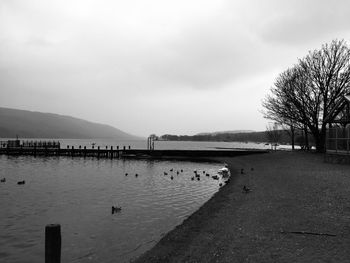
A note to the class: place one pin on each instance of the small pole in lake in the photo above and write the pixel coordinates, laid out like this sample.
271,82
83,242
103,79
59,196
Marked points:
84,151
53,243
98,152
112,152
129,147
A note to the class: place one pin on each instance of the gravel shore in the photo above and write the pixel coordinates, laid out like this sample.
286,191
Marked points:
298,210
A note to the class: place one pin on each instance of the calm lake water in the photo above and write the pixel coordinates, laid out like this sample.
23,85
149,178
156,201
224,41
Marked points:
78,193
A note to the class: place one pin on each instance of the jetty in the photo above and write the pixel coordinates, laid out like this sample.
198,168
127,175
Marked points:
53,149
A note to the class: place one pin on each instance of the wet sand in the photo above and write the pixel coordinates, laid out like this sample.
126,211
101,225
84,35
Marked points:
298,210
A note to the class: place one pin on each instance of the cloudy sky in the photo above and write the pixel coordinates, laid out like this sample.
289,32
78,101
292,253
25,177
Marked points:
158,66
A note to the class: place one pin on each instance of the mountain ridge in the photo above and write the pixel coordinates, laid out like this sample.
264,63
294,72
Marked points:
35,124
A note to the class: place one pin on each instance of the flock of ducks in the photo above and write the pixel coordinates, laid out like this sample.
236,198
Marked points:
3,180
196,176
116,209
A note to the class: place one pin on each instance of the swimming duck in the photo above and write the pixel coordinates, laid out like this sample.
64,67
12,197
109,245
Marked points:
171,177
3,180
21,182
116,209
246,189
215,177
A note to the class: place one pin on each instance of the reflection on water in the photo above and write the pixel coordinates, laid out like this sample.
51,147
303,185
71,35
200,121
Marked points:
78,193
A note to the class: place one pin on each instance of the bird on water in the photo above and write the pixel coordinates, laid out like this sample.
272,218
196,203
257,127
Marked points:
116,209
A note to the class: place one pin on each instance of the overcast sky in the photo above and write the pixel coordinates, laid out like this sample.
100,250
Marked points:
158,66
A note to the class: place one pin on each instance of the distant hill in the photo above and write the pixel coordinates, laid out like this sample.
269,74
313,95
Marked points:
225,132
30,124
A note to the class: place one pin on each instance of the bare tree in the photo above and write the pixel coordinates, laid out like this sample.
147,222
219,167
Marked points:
311,93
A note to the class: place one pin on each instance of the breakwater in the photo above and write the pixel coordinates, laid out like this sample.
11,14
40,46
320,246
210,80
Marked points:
110,152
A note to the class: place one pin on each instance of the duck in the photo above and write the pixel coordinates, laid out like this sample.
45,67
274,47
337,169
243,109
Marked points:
171,177
192,178
220,184
3,180
215,177
198,178
204,172
177,172
126,174
252,169
245,189
171,169
242,171
116,209
165,173
207,174
136,175
182,171
21,182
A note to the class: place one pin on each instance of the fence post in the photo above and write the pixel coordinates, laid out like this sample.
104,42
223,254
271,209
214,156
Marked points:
336,139
53,243
348,141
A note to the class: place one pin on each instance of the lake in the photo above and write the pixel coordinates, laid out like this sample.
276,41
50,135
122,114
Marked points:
78,194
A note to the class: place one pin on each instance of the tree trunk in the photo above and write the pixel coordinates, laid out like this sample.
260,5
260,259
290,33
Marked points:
306,136
320,140
292,130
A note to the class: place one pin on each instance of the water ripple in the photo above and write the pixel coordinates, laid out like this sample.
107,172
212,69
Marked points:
79,193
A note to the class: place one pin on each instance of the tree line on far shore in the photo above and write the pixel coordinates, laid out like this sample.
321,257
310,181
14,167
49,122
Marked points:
258,137
309,96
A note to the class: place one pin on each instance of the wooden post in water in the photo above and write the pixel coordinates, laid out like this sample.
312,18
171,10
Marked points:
98,152
84,151
112,152
118,151
72,152
53,243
